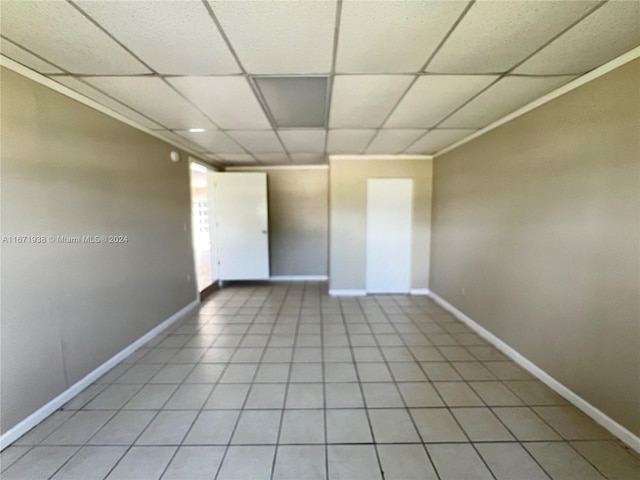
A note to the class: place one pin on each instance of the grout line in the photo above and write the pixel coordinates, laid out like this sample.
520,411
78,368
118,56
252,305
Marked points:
395,384
445,404
286,390
255,374
364,399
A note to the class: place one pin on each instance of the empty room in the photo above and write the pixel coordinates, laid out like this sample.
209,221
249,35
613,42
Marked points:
320,239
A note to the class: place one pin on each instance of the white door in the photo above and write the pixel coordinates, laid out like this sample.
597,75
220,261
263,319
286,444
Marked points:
241,214
389,219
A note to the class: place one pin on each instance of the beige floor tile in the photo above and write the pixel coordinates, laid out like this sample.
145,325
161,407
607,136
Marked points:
562,462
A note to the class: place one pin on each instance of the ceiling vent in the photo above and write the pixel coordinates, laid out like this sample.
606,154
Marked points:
294,102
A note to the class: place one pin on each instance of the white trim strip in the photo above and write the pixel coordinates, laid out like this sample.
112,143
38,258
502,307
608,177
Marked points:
39,415
380,157
339,292
607,422
64,90
419,291
278,167
578,82
298,278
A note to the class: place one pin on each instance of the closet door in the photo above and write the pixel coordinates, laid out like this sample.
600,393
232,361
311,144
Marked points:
389,235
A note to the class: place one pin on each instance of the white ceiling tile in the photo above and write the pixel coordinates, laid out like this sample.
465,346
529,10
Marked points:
172,37
393,141
496,35
279,158
228,101
303,141
214,141
59,33
349,141
20,55
392,36
438,139
263,141
280,36
507,95
154,98
364,101
212,157
308,158
610,31
88,91
433,97
237,159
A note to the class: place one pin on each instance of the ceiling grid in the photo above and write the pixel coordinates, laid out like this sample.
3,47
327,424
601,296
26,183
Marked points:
402,77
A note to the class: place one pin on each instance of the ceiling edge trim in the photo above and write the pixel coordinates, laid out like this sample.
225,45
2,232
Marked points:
380,157
572,85
278,167
64,90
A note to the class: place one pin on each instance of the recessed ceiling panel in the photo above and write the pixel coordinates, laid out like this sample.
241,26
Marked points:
20,55
436,140
62,35
228,101
308,158
393,141
154,98
295,102
433,97
280,37
610,31
213,141
348,141
172,37
364,101
495,35
303,141
392,36
507,95
263,141
87,90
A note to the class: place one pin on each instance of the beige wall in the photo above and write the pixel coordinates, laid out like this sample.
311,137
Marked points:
536,237
70,170
298,220
348,214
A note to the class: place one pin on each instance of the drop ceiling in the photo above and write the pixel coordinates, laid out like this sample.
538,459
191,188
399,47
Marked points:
288,82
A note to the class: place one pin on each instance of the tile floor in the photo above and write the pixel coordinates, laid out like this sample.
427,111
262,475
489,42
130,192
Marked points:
284,382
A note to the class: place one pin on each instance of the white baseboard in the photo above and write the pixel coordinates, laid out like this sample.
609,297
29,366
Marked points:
298,278
419,291
39,415
338,292
629,438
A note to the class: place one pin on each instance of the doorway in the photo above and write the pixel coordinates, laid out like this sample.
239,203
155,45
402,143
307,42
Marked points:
201,223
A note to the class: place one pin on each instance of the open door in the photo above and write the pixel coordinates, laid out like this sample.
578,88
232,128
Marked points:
242,225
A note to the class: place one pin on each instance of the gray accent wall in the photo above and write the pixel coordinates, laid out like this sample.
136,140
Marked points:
348,218
69,170
536,238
